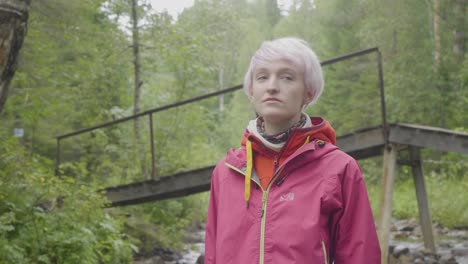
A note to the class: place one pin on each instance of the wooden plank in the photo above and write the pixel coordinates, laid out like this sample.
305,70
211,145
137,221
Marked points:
364,143
366,153
386,195
178,185
429,137
421,195
361,144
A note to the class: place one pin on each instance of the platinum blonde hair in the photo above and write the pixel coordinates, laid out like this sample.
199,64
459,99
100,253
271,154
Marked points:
295,51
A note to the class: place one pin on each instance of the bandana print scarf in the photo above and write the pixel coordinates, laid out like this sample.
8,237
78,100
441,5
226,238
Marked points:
280,137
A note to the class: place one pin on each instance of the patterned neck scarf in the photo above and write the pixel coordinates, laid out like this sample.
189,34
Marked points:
280,137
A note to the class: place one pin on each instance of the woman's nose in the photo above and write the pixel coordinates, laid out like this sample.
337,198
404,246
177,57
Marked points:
272,85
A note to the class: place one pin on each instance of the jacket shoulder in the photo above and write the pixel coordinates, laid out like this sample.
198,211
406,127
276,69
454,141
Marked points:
234,158
338,159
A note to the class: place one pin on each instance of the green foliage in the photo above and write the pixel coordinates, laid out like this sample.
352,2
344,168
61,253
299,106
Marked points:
72,71
46,219
163,224
76,71
448,200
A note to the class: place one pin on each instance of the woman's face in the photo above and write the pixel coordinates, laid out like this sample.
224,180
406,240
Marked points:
279,92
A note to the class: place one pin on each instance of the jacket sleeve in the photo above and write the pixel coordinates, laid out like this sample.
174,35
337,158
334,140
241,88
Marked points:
211,225
356,239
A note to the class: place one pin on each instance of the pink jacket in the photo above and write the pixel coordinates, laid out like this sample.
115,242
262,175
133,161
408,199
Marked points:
315,210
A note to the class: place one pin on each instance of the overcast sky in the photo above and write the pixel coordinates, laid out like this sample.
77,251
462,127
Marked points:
175,7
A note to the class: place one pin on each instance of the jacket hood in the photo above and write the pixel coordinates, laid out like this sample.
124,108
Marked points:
242,158
319,129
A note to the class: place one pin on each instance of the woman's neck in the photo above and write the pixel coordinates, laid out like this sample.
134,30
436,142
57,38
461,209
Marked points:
274,128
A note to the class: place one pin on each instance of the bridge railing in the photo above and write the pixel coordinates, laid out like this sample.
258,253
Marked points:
150,113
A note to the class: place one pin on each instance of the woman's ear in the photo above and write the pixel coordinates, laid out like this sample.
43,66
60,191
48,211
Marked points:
308,97
250,95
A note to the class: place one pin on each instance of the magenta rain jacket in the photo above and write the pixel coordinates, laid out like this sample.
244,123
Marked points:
315,210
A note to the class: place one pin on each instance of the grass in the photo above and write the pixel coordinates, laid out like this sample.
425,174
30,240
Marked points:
448,200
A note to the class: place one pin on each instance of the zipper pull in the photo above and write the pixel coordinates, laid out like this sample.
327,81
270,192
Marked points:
276,164
264,198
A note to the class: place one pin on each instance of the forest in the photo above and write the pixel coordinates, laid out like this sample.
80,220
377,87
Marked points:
83,63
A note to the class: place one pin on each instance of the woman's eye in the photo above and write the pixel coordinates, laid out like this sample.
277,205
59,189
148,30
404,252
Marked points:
261,77
287,77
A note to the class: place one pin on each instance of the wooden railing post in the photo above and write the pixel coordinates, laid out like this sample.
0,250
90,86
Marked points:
421,195
58,158
153,165
385,216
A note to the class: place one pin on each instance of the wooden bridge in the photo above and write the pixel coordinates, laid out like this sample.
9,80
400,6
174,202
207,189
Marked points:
365,143
387,139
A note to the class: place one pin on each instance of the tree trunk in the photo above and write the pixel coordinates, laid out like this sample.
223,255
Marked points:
137,86
459,31
221,86
136,58
13,26
436,33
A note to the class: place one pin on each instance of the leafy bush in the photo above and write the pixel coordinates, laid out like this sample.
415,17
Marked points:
163,224
46,219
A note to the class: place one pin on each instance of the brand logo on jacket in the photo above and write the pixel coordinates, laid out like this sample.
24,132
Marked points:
287,197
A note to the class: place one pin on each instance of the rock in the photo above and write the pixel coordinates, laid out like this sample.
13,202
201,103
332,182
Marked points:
447,259
391,249
408,228
460,234
418,255
445,244
430,260
400,250
152,260
428,253
460,251
201,259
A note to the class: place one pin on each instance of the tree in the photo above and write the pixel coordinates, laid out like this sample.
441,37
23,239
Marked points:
273,13
14,19
459,32
136,62
435,12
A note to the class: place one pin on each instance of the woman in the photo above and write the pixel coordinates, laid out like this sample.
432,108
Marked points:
288,194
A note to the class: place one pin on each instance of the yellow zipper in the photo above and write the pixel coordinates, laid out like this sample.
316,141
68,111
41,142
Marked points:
264,206
262,227
325,256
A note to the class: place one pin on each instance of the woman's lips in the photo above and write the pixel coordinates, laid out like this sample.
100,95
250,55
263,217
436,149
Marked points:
272,99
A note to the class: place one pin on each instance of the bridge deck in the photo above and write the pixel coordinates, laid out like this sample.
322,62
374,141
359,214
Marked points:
364,143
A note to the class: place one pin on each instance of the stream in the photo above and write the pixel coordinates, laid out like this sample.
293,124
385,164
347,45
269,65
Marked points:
194,249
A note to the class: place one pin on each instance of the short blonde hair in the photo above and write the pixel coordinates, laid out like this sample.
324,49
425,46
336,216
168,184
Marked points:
293,50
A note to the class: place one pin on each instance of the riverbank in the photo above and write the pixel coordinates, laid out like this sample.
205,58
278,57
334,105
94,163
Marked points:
406,246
